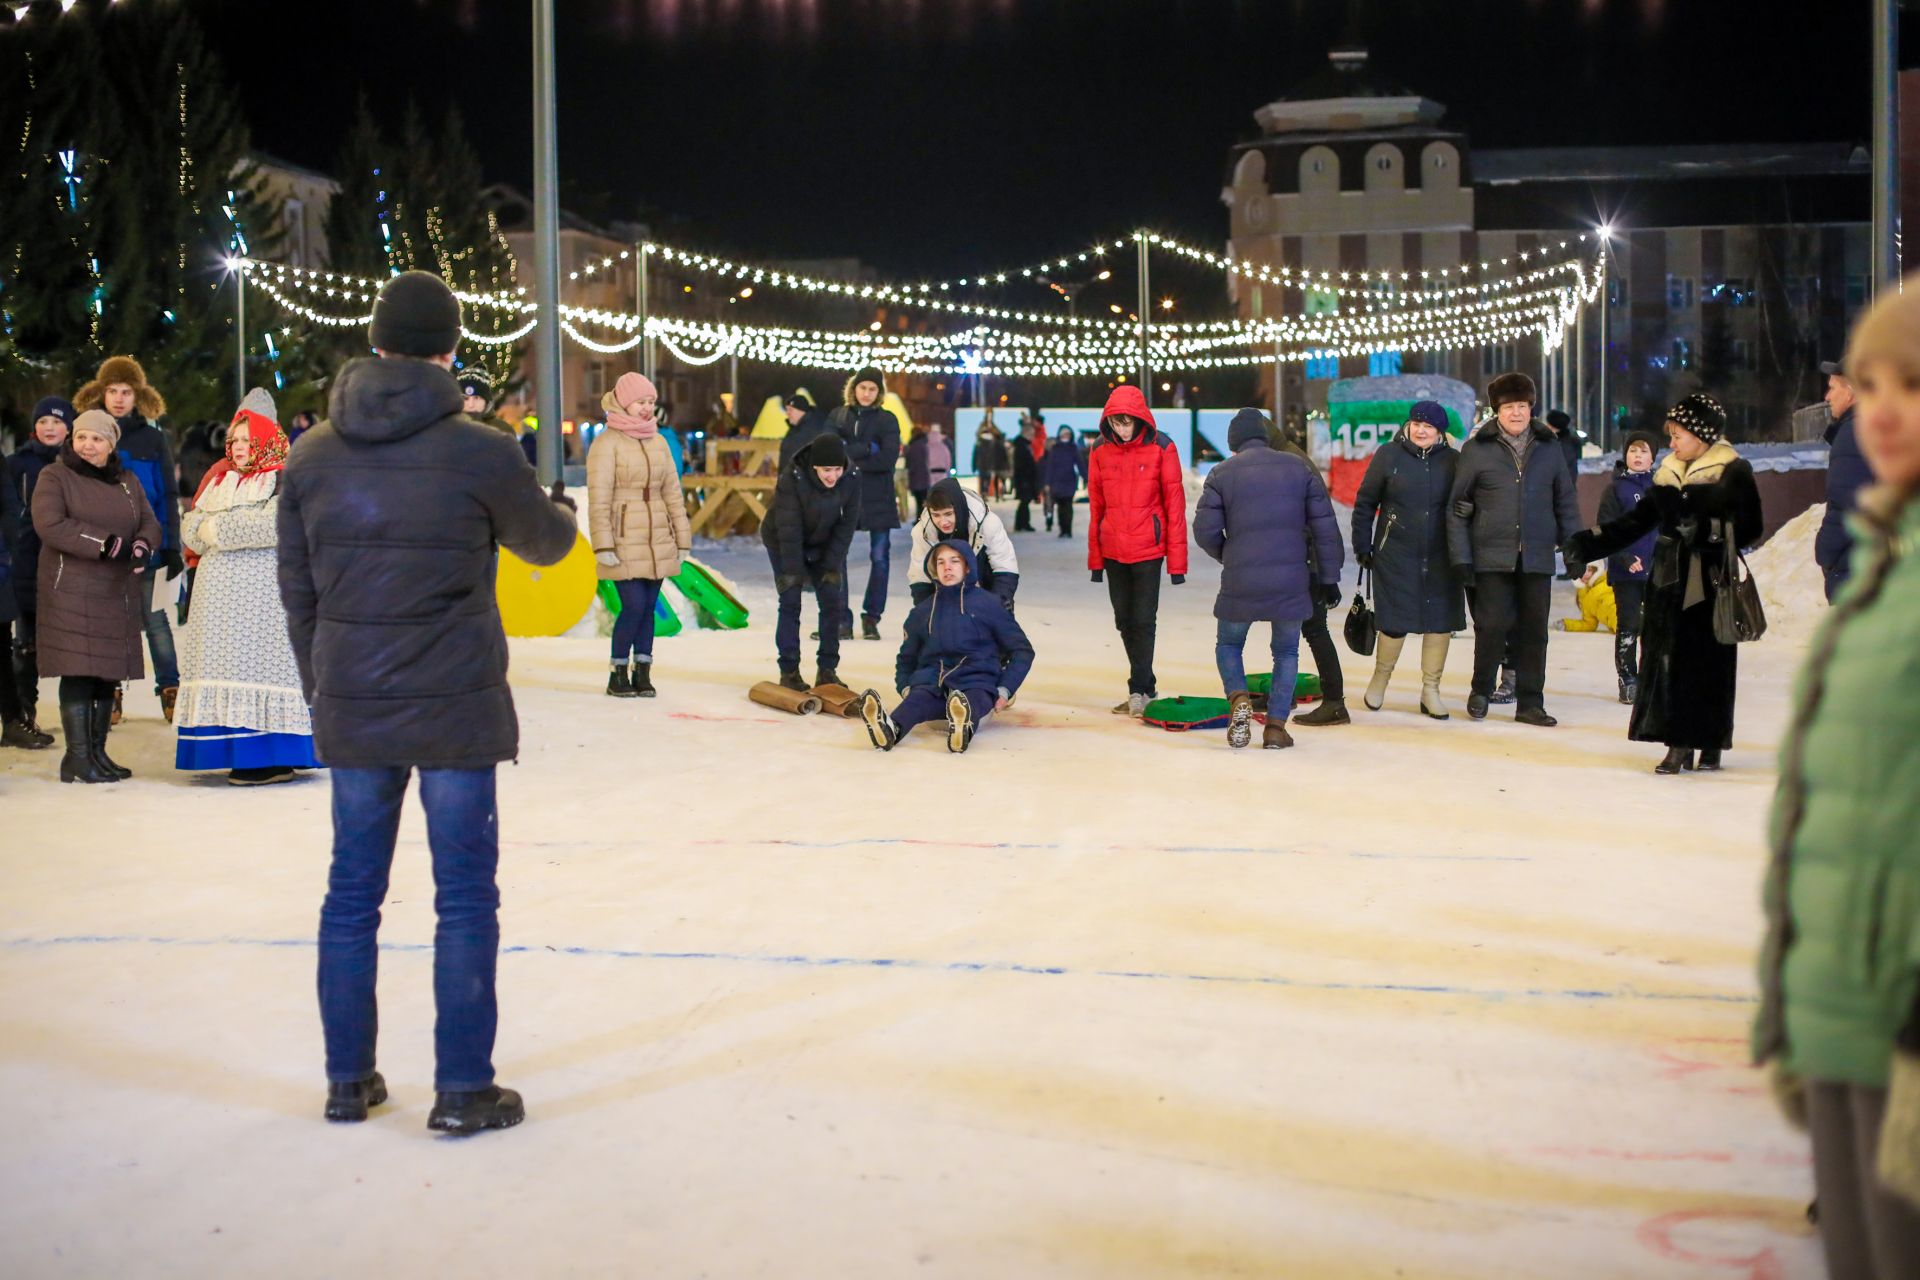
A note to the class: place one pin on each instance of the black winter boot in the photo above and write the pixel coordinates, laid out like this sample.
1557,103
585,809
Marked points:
102,722
347,1102
1629,692
1330,711
869,628
1709,760
1505,692
78,764
619,681
828,675
1535,716
21,733
643,681
464,1113
1678,760
790,679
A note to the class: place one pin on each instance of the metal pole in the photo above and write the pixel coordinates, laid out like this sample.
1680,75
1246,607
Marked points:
1146,314
1886,126
733,372
641,284
1606,410
1580,377
240,335
546,238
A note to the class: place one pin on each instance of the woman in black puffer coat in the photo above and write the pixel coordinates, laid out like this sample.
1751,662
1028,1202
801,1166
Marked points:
1703,497
1400,534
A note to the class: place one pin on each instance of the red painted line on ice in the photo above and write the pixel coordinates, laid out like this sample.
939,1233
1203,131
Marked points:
694,715
1772,1157
1656,1235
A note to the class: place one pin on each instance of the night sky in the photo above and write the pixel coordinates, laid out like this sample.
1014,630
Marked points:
934,137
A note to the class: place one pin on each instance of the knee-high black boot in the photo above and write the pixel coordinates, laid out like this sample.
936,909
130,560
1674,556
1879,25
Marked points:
102,722
76,722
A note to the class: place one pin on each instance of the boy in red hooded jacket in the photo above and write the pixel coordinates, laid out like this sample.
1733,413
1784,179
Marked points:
1137,509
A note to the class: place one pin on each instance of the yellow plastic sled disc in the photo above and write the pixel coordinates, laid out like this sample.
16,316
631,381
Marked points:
545,602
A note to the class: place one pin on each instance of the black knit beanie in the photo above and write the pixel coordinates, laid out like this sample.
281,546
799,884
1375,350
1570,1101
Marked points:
869,374
1701,414
474,380
415,314
826,450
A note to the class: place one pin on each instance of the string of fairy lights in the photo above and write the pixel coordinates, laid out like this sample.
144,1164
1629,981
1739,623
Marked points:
1535,293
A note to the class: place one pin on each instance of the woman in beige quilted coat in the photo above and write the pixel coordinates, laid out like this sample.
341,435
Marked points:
637,520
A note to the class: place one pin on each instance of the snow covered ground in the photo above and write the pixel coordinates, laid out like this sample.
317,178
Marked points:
1414,999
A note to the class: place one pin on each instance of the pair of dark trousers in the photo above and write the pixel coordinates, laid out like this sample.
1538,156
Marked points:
1866,1231
1326,658
166,667
1510,622
26,661
13,703
786,630
633,629
1629,597
923,704
463,832
1063,507
1023,516
1134,590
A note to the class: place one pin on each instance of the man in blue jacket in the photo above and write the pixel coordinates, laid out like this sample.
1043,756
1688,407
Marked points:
1261,513
121,388
961,655
1847,475
390,512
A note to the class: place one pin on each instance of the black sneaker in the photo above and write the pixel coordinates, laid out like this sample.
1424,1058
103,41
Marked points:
347,1103
464,1113
21,733
869,629
880,726
1330,711
1477,707
1536,716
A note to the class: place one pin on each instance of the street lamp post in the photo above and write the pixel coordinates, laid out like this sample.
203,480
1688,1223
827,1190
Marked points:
546,237
240,334
1146,314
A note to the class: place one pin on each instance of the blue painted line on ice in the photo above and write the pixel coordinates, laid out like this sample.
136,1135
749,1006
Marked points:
937,966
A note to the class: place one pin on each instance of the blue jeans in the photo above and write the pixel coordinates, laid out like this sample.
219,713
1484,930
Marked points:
463,832
166,667
633,629
1230,639
786,631
880,556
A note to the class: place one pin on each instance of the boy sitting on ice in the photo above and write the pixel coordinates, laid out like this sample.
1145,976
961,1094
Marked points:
962,652
955,515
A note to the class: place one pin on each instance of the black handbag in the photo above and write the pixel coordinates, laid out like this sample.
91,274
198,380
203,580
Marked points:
1737,615
1361,630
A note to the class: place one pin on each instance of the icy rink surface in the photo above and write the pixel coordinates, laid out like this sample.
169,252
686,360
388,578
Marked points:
1414,999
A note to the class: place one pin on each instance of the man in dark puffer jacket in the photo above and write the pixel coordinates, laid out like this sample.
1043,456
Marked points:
389,516
1513,507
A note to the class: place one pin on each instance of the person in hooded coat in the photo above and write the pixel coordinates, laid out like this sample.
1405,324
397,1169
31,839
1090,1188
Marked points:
638,518
242,707
1264,514
1063,471
1628,570
872,434
476,384
917,455
98,539
816,507
1026,477
1136,526
15,728
52,420
391,515
1400,537
1704,501
1314,632
1847,475
962,656
954,514
121,389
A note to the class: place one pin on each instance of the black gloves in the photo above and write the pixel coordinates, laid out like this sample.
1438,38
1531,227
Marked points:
1330,594
142,557
171,559
1579,549
1096,575
785,582
115,548
1364,561
1464,508
831,578
559,495
1179,578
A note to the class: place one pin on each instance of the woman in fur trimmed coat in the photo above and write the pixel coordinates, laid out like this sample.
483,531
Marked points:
241,706
1703,497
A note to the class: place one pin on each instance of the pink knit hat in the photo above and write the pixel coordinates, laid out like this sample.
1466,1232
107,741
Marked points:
631,387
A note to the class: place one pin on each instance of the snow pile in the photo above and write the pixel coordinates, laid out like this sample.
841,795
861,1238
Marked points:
1791,585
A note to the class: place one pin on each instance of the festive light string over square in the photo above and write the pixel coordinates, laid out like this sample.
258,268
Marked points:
1543,300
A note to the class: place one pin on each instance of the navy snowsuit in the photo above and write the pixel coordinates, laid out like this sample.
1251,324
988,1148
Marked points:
961,639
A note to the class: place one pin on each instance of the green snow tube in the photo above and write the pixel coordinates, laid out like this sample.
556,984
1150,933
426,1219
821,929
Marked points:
710,600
